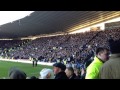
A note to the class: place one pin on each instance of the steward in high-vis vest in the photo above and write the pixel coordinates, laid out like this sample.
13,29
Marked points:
102,55
34,60
65,62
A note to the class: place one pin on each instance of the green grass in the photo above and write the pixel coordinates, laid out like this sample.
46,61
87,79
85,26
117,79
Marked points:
27,68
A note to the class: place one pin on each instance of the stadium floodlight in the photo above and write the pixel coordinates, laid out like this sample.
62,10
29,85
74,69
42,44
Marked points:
10,16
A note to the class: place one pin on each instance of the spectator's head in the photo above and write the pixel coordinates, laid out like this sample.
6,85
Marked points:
69,71
17,74
103,53
114,46
46,74
58,67
77,71
33,77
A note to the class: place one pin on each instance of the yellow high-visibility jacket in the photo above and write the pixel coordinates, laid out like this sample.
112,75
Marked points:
93,69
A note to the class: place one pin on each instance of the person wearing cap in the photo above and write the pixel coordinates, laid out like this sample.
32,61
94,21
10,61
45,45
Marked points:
15,73
102,55
111,69
46,74
59,71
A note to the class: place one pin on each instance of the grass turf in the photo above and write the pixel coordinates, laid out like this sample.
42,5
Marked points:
27,68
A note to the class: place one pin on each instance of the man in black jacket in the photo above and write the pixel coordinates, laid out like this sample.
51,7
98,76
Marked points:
59,71
70,73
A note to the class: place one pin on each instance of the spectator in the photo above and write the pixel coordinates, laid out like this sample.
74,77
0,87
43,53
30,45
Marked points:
102,55
46,74
77,73
59,71
33,77
83,73
70,73
111,69
17,74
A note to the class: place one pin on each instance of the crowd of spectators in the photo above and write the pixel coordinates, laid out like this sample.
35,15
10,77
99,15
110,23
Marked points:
70,49
49,49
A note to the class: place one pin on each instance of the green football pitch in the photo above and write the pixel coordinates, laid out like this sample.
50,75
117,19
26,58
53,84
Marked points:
27,68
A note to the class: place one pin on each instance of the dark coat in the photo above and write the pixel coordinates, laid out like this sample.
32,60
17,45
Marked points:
73,76
78,77
61,75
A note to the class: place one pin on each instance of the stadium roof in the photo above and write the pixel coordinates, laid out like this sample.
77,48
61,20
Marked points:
47,22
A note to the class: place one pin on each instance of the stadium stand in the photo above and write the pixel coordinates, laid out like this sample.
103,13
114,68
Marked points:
74,47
